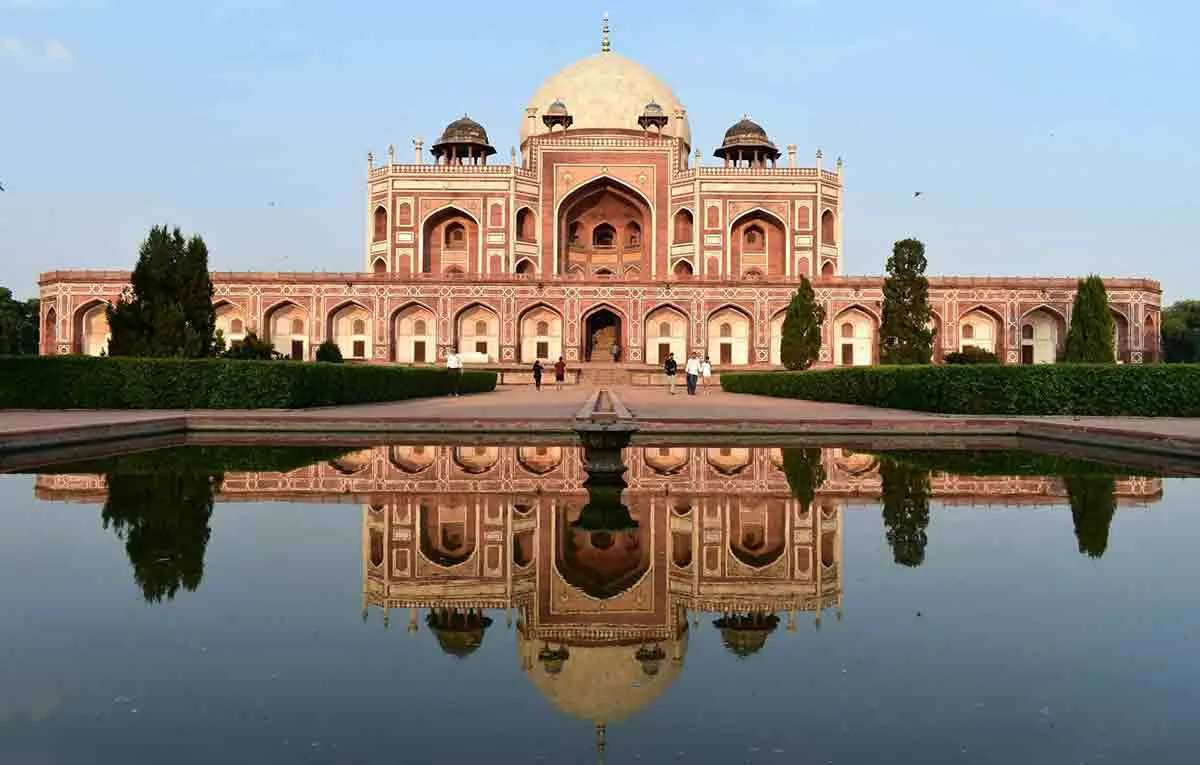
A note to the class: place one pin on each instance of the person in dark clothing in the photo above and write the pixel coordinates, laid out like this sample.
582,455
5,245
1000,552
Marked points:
616,352
560,373
537,374
671,366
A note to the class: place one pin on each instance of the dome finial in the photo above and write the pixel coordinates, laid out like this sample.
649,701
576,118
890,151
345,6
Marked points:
605,45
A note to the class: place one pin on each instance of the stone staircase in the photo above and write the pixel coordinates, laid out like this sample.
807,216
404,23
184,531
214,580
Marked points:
601,375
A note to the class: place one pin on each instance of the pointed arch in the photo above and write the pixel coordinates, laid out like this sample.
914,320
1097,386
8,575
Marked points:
757,535
683,268
590,195
540,332
90,328
280,328
379,224
525,267
434,225
350,325
829,226
231,321
770,255
977,335
468,321
683,226
855,333
776,336
48,336
666,329
379,266
730,331
525,223
1042,331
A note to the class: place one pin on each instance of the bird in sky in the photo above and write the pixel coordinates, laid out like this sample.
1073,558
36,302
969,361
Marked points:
1,187
916,194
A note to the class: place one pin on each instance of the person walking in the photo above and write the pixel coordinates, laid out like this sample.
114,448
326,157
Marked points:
560,373
671,366
454,368
537,374
616,352
706,374
692,369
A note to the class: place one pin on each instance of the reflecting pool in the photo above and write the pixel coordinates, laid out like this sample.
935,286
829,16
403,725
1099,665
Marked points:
546,602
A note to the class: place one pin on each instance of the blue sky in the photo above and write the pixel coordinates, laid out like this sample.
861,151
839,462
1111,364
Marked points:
1049,137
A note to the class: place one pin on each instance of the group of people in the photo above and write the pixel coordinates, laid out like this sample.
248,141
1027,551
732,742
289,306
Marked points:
698,371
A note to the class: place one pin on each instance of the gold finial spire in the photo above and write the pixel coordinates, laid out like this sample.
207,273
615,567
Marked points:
605,45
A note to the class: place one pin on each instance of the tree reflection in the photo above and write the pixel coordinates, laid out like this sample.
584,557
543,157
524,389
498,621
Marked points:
905,496
1093,503
163,519
805,473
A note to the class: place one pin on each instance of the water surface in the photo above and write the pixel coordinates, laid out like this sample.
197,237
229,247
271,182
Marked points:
490,604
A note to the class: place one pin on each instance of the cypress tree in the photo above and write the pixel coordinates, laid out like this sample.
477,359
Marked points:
1090,336
805,473
904,334
170,311
800,343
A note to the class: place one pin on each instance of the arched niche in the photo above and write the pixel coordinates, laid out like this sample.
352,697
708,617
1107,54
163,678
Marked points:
349,327
541,330
854,338
478,329
729,337
287,329
601,226
450,240
758,241
666,330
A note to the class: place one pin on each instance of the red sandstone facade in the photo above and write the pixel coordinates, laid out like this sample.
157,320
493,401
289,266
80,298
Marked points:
606,231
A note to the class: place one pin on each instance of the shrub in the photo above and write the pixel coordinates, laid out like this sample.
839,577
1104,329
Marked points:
251,348
89,382
972,354
329,352
1145,390
1090,337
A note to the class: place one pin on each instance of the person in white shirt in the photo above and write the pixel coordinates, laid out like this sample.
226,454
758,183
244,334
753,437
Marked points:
692,369
454,367
706,374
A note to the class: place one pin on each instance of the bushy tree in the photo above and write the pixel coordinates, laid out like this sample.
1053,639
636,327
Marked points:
329,352
170,312
905,336
19,321
1093,501
800,344
1090,336
905,510
1181,332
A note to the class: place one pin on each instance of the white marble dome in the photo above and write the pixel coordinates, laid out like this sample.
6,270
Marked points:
606,91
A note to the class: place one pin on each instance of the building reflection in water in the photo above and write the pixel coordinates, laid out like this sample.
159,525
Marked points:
602,608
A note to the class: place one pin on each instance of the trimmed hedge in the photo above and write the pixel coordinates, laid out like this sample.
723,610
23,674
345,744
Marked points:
90,382
1113,390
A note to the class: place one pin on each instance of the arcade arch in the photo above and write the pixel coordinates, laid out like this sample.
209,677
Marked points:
729,337
600,227
350,330
91,329
287,330
980,328
478,329
1042,333
854,338
541,334
666,333
758,243
414,335
450,241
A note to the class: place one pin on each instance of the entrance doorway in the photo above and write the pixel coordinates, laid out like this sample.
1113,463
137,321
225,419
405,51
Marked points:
602,332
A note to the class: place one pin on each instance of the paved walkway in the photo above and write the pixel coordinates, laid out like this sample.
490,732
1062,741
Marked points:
521,410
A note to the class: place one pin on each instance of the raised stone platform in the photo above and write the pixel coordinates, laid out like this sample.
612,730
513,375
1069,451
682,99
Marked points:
27,437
